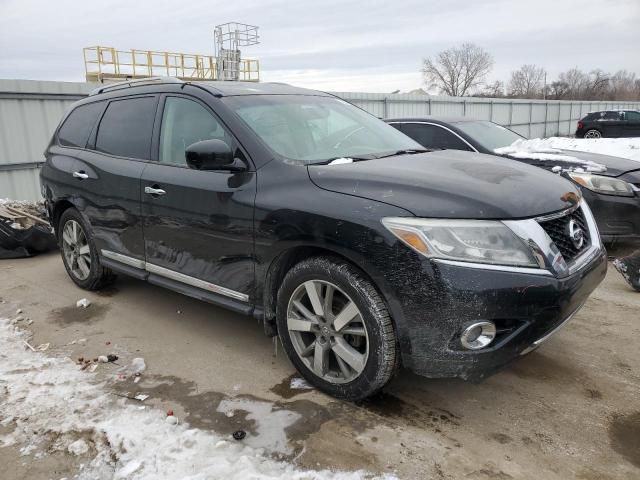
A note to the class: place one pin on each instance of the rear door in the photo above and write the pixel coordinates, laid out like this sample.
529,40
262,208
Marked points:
632,124
612,124
198,225
110,171
60,173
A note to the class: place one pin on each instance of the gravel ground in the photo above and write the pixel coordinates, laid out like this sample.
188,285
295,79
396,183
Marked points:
571,409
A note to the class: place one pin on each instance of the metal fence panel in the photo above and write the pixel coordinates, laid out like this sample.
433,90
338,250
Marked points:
31,110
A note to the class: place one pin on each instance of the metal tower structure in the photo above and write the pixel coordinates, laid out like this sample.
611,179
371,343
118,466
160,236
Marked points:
229,37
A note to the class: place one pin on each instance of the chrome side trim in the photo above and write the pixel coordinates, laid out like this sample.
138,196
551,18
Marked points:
195,282
546,337
173,275
473,149
488,266
118,257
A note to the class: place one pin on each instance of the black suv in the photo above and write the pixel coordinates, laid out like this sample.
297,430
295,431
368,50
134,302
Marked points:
610,124
362,252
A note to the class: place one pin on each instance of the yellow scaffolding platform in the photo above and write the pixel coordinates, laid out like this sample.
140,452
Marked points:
106,63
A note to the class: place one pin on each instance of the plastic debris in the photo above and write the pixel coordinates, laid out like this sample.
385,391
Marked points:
112,358
172,420
136,380
29,322
43,347
138,365
28,345
341,160
230,413
298,383
221,443
78,447
103,359
239,434
141,397
83,302
93,367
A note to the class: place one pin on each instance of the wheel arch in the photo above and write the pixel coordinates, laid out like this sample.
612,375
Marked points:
286,259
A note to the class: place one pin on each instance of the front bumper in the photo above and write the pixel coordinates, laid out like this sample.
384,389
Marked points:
616,217
526,308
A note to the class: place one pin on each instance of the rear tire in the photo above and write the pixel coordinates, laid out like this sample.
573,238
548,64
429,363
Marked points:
336,329
592,133
79,253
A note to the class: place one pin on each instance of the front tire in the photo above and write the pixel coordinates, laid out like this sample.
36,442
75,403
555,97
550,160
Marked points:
79,253
336,329
592,133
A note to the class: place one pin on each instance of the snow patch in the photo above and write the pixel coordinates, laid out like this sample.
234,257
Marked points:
51,404
538,149
616,147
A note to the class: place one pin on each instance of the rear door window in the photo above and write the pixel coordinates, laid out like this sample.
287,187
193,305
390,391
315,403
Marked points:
126,127
433,136
75,130
423,134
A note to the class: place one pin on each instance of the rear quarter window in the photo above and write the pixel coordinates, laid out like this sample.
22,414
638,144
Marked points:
76,128
126,127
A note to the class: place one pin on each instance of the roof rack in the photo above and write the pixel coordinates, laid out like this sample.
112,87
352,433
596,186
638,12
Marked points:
136,82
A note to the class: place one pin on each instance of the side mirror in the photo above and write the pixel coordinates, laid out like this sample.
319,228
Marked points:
209,155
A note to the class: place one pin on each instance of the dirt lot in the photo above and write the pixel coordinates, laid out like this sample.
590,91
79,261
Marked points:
569,410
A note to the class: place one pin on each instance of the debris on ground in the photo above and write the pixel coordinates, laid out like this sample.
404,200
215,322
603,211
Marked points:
141,397
103,359
298,383
171,420
112,358
629,268
43,347
24,230
83,302
138,366
79,447
239,434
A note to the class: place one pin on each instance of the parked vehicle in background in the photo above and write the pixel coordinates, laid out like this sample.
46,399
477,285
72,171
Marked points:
360,250
610,185
609,124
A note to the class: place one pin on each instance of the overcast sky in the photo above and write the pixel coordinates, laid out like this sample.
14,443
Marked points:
332,45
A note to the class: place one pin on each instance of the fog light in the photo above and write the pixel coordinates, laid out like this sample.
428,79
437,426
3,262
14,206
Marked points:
478,335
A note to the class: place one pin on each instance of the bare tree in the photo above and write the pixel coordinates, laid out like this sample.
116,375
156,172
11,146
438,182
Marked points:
457,70
576,81
557,90
491,90
597,85
527,82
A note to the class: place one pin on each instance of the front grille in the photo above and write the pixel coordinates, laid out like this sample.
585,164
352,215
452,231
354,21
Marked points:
558,231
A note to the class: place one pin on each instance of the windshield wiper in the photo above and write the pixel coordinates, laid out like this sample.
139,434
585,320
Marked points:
410,151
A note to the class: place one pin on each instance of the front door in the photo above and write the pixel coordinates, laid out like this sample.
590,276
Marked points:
198,225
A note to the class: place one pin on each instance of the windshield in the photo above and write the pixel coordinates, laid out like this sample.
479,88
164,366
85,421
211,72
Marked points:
318,129
488,134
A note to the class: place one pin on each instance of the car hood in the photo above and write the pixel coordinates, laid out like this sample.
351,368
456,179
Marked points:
450,184
614,166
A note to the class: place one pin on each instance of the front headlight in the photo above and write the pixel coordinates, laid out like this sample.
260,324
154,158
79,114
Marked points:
600,184
480,241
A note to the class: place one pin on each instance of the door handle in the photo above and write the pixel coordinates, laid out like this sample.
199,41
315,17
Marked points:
81,175
154,191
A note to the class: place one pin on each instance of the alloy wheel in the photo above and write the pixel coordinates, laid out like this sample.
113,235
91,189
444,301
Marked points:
327,331
76,250
593,134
